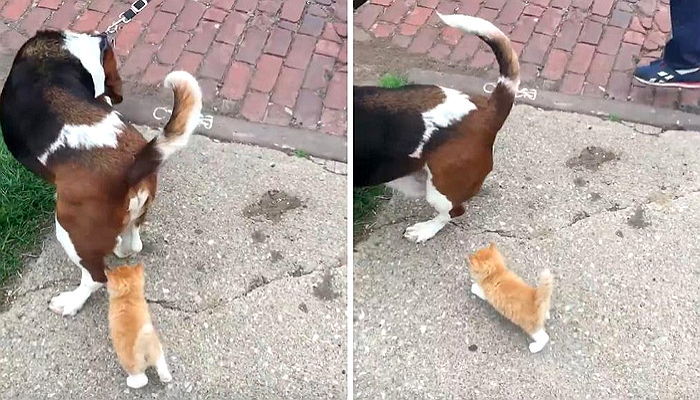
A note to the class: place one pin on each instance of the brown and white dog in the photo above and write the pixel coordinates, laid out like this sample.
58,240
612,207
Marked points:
58,121
426,140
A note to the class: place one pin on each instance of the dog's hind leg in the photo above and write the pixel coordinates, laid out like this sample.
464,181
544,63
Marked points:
423,231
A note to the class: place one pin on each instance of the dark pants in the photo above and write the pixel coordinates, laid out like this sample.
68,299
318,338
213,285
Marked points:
683,51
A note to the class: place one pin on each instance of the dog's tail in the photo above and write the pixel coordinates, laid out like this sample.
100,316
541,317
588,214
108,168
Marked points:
187,109
504,93
543,294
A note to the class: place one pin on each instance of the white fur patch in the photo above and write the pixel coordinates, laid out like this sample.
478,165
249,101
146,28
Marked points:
423,231
86,48
512,85
478,291
129,242
473,25
541,339
64,239
454,108
84,137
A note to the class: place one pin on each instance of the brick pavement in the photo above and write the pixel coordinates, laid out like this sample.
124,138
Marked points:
587,47
271,61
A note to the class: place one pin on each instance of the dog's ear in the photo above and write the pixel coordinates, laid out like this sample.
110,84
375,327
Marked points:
113,82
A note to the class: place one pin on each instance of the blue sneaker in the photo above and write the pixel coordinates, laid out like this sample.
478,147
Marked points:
658,73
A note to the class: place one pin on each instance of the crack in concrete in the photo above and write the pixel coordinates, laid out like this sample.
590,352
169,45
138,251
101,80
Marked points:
10,296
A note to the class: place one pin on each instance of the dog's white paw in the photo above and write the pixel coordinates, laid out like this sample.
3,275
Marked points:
423,231
67,303
137,381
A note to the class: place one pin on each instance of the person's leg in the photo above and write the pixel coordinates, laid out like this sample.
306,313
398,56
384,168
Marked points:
680,65
683,50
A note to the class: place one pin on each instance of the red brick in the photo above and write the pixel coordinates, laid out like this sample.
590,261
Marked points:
367,15
232,29
279,42
215,14
65,15
495,4
300,53
139,59
270,6
15,8
159,27
562,4
423,40
246,5
533,10
209,88
288,85
401,41
318,72
252,45
428,3
451,35
327,48
147,14
662,19
172,6
336,95
602,7
343,55
292,10
523,29
383,29
88,22
312,25
572,84
51,4
173,45
381,2
189,18
621,19
636,25
528,72
549,22
333,122
612,37
591,33
627,56
308,109
395,12
581,59
633,37
224,4
127,38
619,85
510,13
418,16
483,58
216,60
536,48
266,72
654,40
155,74
329,33
465,48
518,48
34,20
100,5
439,52
11,41
647,7
556,65
641,94
236,82
566,39
341,29
469,7
111,16
408,30
646,22
277,115
601,66
189,62
584,4
666,97
203,37
254,106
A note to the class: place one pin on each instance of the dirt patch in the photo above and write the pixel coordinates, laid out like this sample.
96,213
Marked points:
272,205
257,282
580,182
595,196
591,158
258,237
637,219
324,289
275,255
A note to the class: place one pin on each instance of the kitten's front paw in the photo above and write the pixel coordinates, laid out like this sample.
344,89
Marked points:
541,338
137,381
536,347
165,377
478,291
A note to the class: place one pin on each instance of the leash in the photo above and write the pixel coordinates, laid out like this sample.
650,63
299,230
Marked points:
126,17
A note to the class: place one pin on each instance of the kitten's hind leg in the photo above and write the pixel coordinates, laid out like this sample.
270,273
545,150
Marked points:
137,381
162,369
478,291
541,339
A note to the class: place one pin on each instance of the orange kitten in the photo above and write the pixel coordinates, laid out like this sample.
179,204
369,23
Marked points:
135,340
524,305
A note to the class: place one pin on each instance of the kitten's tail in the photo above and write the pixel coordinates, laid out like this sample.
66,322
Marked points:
543,294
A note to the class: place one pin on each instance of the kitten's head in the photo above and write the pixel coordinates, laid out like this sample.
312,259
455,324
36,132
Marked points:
125,279
485,262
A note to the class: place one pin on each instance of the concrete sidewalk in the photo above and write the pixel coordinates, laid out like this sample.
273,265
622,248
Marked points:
612,209
244,252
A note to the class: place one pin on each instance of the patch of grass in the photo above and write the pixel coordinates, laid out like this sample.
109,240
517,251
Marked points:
26,206
301,154
614,118
366,202
392,81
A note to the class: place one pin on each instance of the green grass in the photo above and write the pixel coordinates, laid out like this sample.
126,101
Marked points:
614,118
301,153
26,207
392,81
